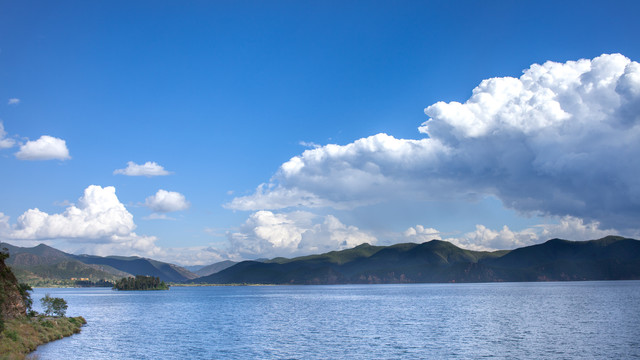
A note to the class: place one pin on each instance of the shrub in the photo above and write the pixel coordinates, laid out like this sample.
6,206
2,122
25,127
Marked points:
47,323
54,306
11,334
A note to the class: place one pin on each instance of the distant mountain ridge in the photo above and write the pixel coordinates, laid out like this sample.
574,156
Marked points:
45,262
214,268
436,261
609,258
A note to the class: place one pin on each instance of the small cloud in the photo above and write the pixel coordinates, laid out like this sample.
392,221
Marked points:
63,203
230,192
420,233
14,101
156,216
309,144
166,201
147,169
4,142
216,232
45,148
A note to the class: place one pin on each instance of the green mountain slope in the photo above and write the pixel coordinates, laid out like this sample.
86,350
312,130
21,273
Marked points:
140,266
41,263
214,268
37,255
609,258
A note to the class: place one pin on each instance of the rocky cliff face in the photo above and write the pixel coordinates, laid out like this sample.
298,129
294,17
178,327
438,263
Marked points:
11,304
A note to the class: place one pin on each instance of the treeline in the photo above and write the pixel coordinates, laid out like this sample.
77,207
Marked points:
140,282
89,283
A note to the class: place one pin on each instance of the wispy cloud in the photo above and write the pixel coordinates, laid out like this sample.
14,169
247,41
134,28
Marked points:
148,169
309,144
156,216
5,143
13,101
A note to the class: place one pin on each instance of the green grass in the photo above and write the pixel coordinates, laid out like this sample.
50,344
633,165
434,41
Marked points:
23,335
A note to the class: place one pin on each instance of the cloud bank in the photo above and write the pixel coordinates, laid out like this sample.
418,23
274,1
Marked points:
100,221
561,140
485,239
45,148
268,234
147,169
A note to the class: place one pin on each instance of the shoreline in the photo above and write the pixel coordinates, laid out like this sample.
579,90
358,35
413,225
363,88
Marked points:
23,335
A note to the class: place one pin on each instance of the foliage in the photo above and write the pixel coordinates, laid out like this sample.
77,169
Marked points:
54,306
141,282
20,334
11,334
26,297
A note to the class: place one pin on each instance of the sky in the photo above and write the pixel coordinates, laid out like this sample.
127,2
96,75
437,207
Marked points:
194,132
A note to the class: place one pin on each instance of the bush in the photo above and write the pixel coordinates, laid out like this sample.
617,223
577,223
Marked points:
12,334
47,323
54,306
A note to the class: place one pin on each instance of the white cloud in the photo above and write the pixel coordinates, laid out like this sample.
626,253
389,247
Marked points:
4,142
14,101
268,234
147,169
420,234
99,222
198,255
166,201
5,227
572,228
560,140
309,144
45,148
156,216
485,239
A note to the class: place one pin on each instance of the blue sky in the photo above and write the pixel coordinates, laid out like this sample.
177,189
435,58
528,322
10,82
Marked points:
222,94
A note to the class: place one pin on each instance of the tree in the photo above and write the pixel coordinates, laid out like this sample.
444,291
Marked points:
26,297
54,306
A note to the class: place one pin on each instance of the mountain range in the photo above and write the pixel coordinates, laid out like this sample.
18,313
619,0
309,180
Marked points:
609,258
44,264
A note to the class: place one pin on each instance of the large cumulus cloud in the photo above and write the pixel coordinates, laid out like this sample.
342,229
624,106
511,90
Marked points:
99,222
561,140
268,234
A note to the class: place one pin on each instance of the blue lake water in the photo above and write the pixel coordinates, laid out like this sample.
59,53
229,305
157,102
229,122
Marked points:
571,320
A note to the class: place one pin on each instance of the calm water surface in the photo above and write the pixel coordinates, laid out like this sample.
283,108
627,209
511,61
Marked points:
571,320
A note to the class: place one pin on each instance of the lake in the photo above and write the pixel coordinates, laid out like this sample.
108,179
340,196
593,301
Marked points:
570,320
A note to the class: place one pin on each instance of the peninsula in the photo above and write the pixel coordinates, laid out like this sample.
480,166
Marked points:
22,330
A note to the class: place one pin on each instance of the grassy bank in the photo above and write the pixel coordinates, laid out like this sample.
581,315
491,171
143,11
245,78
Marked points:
23,335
